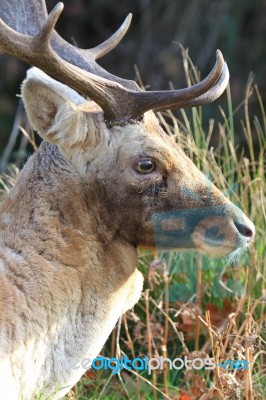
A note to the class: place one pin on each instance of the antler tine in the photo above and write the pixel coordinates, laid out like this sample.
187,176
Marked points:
211,95
36,50
30,22
46,33
109,44
120,99
167,99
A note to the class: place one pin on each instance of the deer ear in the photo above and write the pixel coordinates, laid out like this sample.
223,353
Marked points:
54,109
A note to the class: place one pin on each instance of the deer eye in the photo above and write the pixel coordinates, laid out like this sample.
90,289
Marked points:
145,166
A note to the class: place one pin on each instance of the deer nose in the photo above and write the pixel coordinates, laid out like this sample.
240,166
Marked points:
246,229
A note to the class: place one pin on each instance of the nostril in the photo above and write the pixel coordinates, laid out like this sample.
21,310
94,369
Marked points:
246,230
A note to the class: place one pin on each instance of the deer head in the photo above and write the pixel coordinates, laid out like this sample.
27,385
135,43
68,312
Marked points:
115,139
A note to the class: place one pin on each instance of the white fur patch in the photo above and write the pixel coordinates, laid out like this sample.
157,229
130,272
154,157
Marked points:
5,218
2,266
13,255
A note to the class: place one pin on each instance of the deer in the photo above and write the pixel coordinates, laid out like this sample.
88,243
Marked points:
84,201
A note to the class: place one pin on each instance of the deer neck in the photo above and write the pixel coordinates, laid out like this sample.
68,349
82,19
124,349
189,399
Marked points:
49,222
71,280
50,206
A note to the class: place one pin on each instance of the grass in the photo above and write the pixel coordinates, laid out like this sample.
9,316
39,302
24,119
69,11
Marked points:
192,305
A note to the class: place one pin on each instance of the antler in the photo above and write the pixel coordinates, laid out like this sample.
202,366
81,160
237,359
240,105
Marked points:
120,99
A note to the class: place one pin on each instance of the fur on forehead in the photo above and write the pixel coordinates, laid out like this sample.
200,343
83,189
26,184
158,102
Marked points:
143,138
141,131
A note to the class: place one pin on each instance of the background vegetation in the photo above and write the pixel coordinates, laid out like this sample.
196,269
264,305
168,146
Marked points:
191,305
